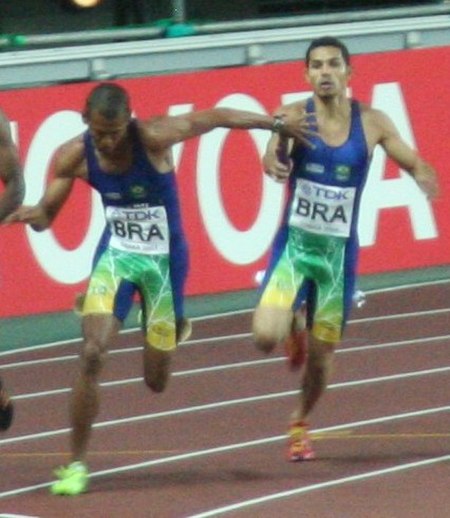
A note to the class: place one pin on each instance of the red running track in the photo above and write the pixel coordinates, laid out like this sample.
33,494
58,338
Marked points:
214,443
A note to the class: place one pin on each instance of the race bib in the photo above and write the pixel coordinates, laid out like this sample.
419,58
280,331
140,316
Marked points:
142,230
322,209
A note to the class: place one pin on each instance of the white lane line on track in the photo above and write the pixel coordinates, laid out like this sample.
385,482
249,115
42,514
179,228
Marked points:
227,314
200,341
129,381
122,350
252,363
71,357
322,485
239,446
226,403
409,286
32,488
398,316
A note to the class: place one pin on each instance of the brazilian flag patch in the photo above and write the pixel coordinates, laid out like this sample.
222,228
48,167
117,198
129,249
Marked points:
342,172
138,192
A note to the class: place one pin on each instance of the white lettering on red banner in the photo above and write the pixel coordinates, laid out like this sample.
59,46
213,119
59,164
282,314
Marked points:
238,247
231,210
383,193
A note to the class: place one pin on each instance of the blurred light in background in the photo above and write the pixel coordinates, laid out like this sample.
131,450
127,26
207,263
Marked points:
84,4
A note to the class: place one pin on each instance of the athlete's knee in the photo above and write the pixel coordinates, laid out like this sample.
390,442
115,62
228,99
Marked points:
320,355
319,351
264,336
98,331
270,326
264,343
157,382
326,333
156,369
93,357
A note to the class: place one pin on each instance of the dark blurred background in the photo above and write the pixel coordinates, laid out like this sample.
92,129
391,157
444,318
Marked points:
55,16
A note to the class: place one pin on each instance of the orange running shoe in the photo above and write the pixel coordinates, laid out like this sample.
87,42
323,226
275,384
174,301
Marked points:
300,444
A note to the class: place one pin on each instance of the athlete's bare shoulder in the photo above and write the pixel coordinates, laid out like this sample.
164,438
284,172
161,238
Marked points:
374,116
145,129
377,125
70,159
161,132
295,107
158,151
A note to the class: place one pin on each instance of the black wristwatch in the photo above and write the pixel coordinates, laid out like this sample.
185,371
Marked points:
278,123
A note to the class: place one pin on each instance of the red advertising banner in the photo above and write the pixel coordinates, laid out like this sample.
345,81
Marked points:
231,210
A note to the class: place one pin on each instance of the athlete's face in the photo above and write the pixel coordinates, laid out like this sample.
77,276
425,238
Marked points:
109,135
327,72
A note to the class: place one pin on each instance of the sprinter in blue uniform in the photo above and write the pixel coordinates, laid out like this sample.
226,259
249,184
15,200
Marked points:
140,208
143,249
315,251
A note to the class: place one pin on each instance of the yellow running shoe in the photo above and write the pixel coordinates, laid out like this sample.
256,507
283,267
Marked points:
73,479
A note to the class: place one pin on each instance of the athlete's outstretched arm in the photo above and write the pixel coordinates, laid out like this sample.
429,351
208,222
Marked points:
163,132
42,215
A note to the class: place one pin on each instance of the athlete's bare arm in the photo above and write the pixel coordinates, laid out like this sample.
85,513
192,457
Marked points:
381,130
10,171
163,132
69,164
